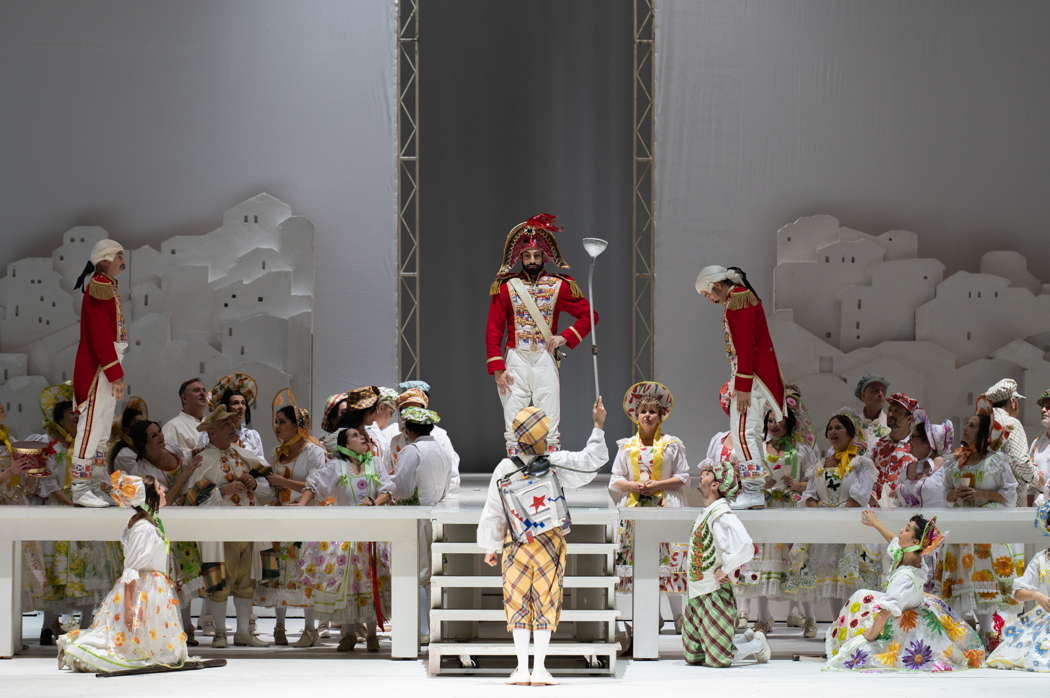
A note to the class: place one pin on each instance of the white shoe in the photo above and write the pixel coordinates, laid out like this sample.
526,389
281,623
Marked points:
219,641
749,500
247,640
520,677
764,653
809,629
85,495
541,677
795,620
208,626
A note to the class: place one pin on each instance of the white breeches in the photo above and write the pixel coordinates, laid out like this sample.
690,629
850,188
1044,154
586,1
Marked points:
745,428
95,422
535,383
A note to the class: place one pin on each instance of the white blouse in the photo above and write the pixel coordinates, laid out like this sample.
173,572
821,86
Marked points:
325,482
144,549
309,459
250,440
492,526
992,473
1036,575
674,465
905,587
927,491
733,548
857,485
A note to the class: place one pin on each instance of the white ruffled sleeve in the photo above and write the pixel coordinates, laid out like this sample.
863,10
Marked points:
619,468
933,489
321,481
863,472
139,550
733,541
1008,490
442,437
492,525
593,456
403,483
678,461
1030,580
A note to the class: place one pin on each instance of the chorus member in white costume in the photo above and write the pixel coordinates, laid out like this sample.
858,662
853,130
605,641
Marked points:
238,392
892,453
651,470
718,546
1026,641
350,580
181,430
417,393
1039,452
755,380
977,577
791,459
298,454
844,479
98,377
872,392
137,625
525,307
422,477
902,629
922,482
227,477
1006,407
528,489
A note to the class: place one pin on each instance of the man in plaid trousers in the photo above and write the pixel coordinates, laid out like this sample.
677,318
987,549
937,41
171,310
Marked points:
533,569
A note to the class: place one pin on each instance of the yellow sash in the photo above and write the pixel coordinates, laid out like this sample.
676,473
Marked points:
634,454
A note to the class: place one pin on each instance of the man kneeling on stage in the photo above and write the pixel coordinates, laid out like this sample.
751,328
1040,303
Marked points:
718,546
526,516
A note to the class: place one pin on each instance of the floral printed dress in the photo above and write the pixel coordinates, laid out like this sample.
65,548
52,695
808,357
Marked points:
340,577
767,573
15,490
1026,641
978,577
832,570
673,463
922,634
138,623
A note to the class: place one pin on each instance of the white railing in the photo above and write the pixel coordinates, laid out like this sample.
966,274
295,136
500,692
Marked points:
395,524
399,526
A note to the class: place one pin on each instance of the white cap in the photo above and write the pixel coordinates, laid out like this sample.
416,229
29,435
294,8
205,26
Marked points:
105,251
712,274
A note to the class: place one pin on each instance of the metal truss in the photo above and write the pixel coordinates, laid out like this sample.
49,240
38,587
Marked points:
643,196
408,222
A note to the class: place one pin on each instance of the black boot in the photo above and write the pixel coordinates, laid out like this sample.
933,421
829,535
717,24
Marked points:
47,638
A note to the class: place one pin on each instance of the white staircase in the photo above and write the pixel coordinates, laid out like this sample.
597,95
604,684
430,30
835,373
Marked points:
467,596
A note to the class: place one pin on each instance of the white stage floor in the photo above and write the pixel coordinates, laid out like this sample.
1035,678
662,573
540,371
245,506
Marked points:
322,671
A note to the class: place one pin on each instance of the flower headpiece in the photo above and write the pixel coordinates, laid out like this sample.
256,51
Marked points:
237,382
51,396
420,415
931,538
128,490
412,397
362,398
409,385
803,433
938,436
647,390
387,396
906,401
725,476
725,396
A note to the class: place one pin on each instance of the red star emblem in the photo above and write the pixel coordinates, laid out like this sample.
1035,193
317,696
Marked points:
537,502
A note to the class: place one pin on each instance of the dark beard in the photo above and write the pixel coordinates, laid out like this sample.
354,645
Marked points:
533,270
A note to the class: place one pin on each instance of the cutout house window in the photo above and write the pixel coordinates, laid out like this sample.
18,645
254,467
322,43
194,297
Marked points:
242,350
827,260
260,299
852,260
230,330
16,311
173,250
827,335
246,218
858,324
969,398
978,294
264,264
858,304
5,374
145,300
65,376
256,219
789,238
969,336
201,367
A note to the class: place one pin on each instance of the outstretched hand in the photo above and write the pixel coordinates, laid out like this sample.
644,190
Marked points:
598,413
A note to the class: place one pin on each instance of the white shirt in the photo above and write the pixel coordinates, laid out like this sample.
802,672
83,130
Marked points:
492,526
144,549
992,473
674,465
1040,455
396,441
1016,450
181,432
250,441
904,589
422,467
733,546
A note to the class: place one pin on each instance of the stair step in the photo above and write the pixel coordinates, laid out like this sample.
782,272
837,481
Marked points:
555,648
489,581
438,615
571,549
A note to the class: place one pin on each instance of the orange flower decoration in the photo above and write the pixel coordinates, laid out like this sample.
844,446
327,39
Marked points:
982,550
118,639
967,561
974,658
1003,566
982,576
909,619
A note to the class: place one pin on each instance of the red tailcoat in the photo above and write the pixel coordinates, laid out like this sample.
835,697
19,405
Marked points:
748,340
101,324
501,318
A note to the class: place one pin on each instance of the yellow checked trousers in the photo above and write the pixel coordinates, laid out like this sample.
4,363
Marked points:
532,579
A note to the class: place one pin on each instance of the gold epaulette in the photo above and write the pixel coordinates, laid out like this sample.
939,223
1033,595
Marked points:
102,290
741,299
574,288
494,288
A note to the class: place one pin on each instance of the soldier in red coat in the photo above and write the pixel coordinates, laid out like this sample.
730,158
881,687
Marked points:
756,384
525,307
98,377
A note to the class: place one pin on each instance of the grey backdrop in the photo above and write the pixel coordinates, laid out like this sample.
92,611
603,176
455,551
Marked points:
526,107
150,117
929,116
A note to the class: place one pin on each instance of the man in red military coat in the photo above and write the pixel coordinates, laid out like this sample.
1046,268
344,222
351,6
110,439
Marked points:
525,307
98,377
756,384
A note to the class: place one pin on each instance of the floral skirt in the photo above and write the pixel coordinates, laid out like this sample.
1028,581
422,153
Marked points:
340,580
827,571
1025,643
287,589
672,563
79,573
978,577
186,568
136,626
931,637
766,574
